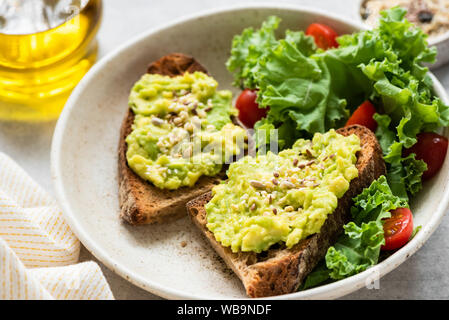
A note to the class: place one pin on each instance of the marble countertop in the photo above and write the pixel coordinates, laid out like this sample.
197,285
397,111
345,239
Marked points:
423,276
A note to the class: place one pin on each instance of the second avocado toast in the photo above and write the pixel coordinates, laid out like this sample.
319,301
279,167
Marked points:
281,270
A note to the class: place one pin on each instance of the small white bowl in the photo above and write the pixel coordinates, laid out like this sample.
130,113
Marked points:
441,42
84,163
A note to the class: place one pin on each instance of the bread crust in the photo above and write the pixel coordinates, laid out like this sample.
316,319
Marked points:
281,270
140,201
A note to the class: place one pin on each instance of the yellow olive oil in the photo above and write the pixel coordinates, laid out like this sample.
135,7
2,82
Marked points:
39,70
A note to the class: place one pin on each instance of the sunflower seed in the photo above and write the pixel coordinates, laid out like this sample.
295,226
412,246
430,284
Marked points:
157,121
257,184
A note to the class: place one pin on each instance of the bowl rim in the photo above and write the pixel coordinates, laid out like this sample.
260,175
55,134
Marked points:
433,41
332,290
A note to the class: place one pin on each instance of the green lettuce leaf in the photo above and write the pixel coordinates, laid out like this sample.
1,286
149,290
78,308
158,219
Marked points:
314,90
359,247
404,173
356,251
247,48
298,87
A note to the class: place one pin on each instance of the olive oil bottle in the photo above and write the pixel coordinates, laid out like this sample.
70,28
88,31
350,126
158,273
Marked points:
46,47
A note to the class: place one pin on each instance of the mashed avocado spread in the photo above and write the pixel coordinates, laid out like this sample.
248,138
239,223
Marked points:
182,129
282,198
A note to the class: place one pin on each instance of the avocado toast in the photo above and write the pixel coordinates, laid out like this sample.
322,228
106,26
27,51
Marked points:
281,270
141,202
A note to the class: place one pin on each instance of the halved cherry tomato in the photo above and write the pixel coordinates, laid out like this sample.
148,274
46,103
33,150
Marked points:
249,111
363,115
431,148
398,229
324,35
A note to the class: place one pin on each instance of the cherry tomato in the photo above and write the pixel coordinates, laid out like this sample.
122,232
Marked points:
398,229
249,111
431,148
324,35
363,115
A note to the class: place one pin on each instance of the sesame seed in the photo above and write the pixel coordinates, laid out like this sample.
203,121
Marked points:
275,211
302,166
275,182
295,162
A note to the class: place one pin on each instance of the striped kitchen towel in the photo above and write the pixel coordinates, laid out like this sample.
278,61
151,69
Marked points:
38,251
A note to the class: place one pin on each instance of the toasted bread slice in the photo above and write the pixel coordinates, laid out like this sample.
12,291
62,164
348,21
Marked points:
140,201
281,270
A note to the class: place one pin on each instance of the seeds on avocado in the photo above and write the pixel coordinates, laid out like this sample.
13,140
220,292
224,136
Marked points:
309,153
275,182
244,197
183,115
302,166
310,163
270,199
201,113
276,174
157,121
177,121
287,185
189,127
332,156
196,122
275,211
187,153
253,207
208,109
295,162
257,184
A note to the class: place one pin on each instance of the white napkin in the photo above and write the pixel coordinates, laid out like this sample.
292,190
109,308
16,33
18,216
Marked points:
38,251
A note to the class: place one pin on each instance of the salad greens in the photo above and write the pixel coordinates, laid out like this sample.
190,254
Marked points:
308,90
359,247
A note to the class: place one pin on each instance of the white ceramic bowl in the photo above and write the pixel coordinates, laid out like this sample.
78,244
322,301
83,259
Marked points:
84,163
441,42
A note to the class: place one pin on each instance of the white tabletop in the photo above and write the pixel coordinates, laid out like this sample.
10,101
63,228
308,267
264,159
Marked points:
423,276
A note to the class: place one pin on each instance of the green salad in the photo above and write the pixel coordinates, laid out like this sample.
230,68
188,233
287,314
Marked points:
304,87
